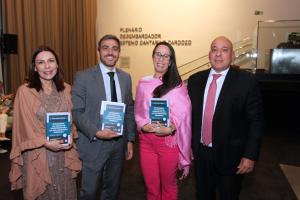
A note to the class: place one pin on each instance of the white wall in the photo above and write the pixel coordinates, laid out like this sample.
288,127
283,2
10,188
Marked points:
196,20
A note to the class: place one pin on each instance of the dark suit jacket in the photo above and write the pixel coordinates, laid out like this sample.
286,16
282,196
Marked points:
237,122
87,93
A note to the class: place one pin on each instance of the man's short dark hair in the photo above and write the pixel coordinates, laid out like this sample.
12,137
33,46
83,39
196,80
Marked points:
109,37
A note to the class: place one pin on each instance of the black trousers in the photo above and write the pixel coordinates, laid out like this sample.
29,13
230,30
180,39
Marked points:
211,184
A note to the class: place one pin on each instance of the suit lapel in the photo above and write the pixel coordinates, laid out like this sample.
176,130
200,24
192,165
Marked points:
202,85
122,83
225,89
99,82
198,100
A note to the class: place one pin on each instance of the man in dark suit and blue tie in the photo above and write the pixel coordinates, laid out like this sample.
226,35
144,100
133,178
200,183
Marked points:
102,151
227,124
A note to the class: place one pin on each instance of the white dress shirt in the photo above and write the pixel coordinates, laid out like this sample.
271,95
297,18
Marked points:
106,80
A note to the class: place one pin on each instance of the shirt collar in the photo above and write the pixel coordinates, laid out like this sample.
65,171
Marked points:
104,68
223,73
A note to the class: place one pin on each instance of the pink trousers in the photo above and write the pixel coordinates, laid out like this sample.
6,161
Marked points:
159,164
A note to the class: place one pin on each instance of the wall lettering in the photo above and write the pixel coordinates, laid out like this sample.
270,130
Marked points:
134,36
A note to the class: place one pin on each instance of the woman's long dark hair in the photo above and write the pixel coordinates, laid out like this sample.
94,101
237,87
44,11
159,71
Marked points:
33,79
171,78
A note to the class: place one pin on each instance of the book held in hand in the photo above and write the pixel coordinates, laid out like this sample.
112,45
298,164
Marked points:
159,111
112,114
58,126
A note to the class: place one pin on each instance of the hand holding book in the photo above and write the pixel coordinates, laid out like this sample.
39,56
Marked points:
57,145
162,130
149,128
159,129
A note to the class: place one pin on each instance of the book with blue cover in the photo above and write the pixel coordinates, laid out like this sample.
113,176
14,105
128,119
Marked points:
159,111
112,114
58,126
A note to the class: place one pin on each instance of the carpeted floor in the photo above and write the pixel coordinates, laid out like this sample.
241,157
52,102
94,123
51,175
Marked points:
273,178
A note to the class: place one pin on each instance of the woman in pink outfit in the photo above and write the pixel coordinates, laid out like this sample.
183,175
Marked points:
164,150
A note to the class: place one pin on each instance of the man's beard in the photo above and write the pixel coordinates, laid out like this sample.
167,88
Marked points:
108,65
